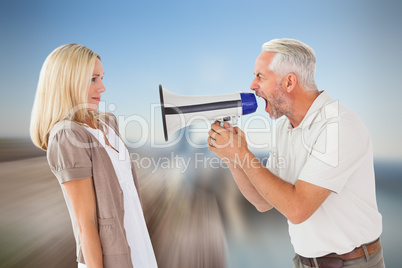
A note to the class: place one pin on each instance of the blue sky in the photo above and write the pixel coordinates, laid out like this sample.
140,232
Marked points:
207,47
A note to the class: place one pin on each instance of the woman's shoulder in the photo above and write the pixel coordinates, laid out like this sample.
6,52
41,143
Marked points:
67,126
67,131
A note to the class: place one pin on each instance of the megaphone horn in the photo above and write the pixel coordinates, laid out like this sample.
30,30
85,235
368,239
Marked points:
193,109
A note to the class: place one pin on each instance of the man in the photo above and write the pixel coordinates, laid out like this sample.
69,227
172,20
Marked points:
324,182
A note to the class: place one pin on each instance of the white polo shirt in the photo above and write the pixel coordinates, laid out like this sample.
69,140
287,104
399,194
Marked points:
331,148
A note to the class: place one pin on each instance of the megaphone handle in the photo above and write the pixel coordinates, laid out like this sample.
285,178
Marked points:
231,120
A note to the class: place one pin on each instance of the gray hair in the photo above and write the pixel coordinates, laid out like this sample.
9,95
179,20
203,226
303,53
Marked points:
293,56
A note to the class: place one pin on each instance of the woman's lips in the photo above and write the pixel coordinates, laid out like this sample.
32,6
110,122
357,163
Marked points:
97,99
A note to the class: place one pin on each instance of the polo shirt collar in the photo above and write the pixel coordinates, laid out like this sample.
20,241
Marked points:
313,111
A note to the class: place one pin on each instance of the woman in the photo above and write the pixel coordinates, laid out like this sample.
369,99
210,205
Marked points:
92,164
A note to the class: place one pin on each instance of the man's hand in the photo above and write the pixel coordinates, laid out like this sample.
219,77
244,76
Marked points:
228,142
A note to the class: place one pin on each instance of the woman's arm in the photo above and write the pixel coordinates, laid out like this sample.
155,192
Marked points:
82,197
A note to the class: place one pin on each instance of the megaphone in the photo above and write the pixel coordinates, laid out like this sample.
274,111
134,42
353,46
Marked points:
179,111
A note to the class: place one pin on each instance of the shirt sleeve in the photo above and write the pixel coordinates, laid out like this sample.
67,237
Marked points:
339,150
69,155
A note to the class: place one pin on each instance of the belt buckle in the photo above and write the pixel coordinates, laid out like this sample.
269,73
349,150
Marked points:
329,262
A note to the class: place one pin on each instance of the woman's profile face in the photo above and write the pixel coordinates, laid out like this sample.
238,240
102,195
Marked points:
96,87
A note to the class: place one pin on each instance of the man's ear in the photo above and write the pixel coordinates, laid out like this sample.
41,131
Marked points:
290,82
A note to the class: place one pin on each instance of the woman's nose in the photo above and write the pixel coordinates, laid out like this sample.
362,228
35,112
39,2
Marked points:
101,87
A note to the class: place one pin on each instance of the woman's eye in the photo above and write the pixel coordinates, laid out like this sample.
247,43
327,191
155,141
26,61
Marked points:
93,79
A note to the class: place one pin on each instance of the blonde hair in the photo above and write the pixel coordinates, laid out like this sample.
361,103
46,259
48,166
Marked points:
62,92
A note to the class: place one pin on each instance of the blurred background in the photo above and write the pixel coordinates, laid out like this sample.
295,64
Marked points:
195,214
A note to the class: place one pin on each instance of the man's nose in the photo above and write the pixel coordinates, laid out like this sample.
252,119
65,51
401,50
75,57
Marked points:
254,84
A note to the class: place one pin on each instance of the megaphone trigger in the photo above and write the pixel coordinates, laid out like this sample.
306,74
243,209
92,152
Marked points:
231,120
